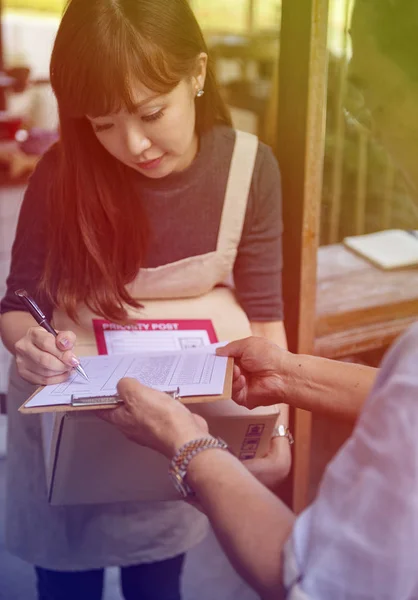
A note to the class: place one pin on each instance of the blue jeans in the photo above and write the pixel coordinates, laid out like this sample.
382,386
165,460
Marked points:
149,581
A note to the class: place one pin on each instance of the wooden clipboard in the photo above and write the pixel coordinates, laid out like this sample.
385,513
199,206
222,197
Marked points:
64,408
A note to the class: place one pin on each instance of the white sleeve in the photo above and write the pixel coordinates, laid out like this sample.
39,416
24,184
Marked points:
359,537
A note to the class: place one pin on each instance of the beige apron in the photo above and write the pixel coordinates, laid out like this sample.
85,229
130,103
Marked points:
88,537
194,287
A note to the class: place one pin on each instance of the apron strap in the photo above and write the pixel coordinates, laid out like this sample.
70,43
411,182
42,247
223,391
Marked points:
237,190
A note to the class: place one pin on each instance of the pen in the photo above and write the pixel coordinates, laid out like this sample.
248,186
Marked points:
41,319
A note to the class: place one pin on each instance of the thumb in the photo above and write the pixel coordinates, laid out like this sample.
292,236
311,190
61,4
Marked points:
234,349
134,392
130,389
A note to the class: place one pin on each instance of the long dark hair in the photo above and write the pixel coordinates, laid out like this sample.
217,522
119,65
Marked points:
98,231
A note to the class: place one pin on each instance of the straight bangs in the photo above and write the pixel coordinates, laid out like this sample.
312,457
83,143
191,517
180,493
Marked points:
95,72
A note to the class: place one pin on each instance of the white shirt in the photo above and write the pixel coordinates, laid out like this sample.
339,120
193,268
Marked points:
359,538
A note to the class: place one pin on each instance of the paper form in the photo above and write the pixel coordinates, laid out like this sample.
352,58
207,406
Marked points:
153,335
196,373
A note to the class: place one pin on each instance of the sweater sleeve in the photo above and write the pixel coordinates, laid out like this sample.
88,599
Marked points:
258,266
29,251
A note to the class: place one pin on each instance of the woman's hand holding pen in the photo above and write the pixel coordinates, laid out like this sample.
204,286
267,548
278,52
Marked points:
43,359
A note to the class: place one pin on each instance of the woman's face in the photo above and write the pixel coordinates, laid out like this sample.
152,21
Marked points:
390,96
159,137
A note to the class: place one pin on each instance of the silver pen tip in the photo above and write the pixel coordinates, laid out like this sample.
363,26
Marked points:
82,372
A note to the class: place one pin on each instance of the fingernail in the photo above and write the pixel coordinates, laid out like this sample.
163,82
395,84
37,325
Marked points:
74,361
65,342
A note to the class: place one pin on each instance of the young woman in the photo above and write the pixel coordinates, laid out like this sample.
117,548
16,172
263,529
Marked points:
147,205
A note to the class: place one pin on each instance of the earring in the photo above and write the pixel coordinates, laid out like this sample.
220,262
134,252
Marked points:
200,93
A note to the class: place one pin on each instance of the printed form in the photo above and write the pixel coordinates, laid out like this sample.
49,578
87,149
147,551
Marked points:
153,335
194,372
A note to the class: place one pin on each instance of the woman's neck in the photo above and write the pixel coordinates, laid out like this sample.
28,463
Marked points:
190,155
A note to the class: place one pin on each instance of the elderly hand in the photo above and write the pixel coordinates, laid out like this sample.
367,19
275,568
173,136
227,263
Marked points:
259,371
154,419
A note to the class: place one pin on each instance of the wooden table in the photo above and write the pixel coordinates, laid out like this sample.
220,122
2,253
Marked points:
360,307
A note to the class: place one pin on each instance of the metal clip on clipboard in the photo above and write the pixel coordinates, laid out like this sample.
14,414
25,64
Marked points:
79,401
175,394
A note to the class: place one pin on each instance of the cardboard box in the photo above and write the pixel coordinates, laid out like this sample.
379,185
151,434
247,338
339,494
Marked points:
88,461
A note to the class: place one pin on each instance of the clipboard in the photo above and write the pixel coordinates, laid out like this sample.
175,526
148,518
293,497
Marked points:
110,402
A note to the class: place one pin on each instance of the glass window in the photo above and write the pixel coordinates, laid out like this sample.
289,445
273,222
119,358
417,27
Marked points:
46,6
220,16
363,190
267,15
245,46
